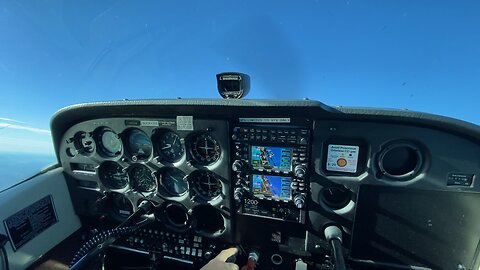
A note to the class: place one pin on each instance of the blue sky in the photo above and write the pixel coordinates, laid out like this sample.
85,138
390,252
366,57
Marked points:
419,55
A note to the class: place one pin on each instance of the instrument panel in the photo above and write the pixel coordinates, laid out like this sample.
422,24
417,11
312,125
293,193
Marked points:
129,160
270,183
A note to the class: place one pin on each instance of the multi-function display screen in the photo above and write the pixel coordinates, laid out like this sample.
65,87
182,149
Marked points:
277,187
272,158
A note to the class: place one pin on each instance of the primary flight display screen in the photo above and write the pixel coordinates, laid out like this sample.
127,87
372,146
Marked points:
271,158
277,187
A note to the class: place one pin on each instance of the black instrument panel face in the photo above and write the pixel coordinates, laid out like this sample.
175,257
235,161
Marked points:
216,178
350,155
183,160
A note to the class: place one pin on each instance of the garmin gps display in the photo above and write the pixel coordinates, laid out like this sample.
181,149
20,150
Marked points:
271,158
271,186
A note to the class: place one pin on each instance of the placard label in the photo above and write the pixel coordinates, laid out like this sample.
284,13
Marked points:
342,158
29,222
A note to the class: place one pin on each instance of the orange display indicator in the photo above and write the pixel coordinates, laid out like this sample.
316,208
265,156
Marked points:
341,162
342,158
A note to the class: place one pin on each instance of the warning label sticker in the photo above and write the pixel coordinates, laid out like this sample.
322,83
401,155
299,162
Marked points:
184,122
342,158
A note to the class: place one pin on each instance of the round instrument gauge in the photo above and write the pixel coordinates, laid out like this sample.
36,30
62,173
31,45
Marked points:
174,181
113,175
205,149
206,184
109,143
122,206
142,178
170,146
139,145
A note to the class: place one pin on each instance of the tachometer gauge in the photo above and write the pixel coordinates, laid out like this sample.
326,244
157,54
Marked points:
206,184
113,175
205,149
139,145
109,143
142,178
170,146
173,181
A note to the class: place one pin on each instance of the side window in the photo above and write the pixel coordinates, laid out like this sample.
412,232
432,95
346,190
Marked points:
24,151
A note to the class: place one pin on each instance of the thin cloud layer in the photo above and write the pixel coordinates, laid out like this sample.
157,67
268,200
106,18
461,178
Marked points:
19,137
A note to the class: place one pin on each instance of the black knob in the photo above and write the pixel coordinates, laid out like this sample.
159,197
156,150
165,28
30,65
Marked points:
238,194
303,140
208,254
299,201
300,171
237,165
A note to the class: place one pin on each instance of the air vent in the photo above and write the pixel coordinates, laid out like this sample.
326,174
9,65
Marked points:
174,215
400,161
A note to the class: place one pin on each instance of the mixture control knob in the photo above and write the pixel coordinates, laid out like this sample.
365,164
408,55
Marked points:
300,171
238,165
299,201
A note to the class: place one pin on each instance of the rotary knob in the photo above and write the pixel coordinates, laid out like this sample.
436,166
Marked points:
238,165
238,194
300,171
299,201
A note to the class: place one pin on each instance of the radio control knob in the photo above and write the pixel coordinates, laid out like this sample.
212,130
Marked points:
238,194
299,201
300,171
303,140
237,165
294,185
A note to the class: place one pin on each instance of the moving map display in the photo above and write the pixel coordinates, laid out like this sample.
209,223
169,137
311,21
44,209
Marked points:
271,186
273,158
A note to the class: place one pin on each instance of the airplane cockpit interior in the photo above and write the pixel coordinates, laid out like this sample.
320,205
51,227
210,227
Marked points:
289,184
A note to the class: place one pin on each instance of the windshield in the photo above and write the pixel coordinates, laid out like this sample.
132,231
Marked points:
421,56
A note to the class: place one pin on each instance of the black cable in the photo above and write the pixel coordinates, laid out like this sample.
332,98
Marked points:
5,258
100,238
3,241
338,259
333,235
